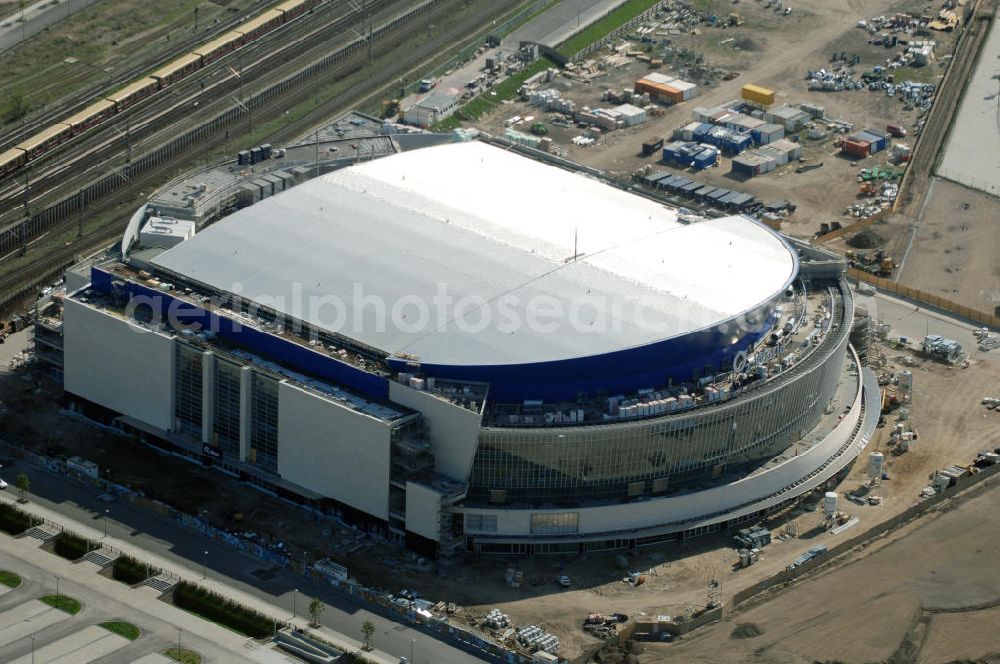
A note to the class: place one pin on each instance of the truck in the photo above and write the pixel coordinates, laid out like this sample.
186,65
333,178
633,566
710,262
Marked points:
813,552
895,130
877,263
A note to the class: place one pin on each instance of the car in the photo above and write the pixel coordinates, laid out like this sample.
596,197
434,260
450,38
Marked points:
564,581
3,485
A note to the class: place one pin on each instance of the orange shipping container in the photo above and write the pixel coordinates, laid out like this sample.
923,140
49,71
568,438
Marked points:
856,148
660,91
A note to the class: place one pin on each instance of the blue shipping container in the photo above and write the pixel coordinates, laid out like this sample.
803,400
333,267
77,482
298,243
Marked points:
705,158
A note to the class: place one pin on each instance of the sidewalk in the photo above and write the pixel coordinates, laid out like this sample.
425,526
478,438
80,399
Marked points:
27,549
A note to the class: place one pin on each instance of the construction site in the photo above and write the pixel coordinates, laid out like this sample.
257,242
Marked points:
825,121
852,93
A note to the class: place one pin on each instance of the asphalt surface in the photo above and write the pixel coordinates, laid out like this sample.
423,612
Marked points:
230,567
970,157
37,17
559,23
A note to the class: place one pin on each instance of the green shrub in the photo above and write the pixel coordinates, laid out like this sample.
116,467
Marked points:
131,571
62,602
224,611
71,546
9,579
122,628
14,521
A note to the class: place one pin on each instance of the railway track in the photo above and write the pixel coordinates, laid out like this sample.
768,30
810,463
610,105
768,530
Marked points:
935,133
394,59
195,96
63,108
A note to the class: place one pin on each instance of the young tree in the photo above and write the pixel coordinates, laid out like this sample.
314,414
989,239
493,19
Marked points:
316,607
23,484
368,629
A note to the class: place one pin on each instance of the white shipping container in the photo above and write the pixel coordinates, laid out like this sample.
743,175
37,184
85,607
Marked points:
657,77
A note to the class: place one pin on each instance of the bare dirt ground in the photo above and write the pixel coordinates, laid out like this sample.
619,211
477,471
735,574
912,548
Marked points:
926,597
777,52
956,251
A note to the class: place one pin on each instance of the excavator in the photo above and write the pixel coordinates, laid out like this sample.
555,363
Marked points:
878,263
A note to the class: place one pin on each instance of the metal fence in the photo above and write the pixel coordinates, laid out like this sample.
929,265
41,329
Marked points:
924,297
17,235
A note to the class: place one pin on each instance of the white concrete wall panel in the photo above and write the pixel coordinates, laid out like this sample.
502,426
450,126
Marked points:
454,431
333,450
119,365
423,510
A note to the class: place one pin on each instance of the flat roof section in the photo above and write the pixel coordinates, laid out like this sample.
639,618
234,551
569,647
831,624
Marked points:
472,223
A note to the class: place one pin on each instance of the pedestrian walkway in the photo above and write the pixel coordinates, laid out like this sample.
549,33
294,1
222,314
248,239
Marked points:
27,547
86,645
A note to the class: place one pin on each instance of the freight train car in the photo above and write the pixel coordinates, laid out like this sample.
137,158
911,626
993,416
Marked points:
92,115
178,69
133,93
219,47
46,140
11,160
261,25
293,8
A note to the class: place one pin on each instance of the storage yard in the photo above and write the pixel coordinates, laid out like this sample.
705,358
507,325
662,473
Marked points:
819,95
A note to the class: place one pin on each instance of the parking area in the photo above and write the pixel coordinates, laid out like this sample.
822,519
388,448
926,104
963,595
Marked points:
64,612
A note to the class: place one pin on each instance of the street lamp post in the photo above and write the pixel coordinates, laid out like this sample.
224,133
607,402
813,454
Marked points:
294,593
204,566
179,630
106,522
57,587
32,649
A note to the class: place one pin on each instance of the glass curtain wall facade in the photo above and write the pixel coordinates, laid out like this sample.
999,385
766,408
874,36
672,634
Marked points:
571,465
188,389
264,423
227,407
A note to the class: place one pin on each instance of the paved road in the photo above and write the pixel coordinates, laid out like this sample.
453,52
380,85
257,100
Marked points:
559,23
37,17
232,568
